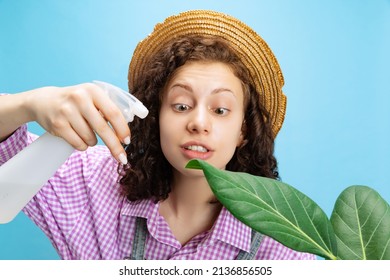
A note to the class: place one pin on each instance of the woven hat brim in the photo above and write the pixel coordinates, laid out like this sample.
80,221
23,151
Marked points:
251,48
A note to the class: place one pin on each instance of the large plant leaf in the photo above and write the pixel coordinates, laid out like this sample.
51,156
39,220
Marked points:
272,208
361,221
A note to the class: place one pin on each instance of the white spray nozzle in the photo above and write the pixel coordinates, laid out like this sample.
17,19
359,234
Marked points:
126,102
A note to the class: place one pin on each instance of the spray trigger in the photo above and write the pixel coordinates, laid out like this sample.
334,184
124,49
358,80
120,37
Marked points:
126,102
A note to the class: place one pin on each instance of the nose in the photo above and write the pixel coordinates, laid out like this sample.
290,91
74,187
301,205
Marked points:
199,121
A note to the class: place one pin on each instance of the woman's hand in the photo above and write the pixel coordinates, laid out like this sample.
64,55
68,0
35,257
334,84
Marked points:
76,113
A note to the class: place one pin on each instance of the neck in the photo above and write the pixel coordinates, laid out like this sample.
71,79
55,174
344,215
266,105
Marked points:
190,208
193,191
191,196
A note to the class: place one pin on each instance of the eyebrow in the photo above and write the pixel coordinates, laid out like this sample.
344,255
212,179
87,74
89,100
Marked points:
215,91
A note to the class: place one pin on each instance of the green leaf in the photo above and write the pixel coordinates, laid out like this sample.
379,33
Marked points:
272,208
361,221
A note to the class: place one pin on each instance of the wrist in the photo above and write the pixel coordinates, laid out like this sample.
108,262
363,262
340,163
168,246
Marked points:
25,102
11,115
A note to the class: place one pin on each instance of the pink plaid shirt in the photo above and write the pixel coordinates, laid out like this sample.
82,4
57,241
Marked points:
84,215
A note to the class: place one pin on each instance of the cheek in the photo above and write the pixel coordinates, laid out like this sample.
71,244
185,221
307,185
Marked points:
232,133
230,136
169,133
165,130
170,125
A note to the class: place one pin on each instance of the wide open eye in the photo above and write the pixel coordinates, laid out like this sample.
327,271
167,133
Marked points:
221,111
180,107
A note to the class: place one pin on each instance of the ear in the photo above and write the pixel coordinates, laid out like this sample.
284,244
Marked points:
241,137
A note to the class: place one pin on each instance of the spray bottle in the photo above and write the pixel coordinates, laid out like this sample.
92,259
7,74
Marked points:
22,176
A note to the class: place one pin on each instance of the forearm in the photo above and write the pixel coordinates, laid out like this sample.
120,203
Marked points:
14,112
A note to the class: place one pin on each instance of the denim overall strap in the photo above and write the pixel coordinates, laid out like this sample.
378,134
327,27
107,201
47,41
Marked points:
139,241
141,232
255,245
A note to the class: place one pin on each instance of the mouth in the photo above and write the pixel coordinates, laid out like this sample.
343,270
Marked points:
196,150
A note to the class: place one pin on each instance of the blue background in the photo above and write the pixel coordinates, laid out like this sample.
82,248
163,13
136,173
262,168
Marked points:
334,56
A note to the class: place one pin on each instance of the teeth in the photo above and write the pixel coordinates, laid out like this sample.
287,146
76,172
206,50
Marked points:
197,148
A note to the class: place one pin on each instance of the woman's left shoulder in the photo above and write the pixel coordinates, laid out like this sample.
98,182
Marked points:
271,249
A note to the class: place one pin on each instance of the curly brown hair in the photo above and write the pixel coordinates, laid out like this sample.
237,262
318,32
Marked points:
149,174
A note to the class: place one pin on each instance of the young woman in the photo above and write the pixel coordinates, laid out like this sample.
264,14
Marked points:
213,90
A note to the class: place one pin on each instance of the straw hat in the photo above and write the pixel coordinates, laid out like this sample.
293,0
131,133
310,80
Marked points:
251,48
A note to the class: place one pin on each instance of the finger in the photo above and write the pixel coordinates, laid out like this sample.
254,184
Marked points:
114,116
83,130
106,133
70,136
120,127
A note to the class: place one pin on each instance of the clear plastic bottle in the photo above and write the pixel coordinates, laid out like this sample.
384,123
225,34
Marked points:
22,176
